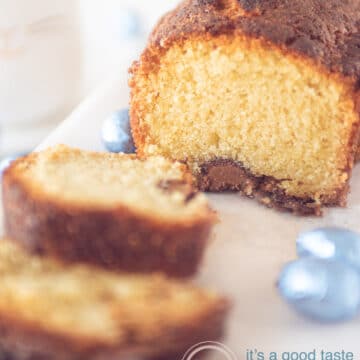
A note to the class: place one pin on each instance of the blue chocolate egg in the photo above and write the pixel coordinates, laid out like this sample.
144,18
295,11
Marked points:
116,133
324,290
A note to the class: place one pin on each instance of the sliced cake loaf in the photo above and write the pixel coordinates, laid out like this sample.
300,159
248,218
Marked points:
109,209
257,96
79,312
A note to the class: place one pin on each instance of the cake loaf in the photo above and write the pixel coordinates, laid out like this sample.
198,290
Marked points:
112,210
256,96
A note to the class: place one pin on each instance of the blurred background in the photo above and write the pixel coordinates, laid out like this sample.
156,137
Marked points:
54,53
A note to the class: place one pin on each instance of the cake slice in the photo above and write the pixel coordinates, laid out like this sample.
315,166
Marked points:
257,96
113,210
80,312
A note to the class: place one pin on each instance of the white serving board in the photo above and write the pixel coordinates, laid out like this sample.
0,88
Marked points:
250,246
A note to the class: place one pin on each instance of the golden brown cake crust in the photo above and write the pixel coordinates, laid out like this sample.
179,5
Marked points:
326,31
117,239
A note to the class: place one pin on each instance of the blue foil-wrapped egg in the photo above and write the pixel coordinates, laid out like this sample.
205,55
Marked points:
324,290
330,243
116,133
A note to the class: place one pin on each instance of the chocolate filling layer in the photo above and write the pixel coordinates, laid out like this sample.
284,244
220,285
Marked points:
228,175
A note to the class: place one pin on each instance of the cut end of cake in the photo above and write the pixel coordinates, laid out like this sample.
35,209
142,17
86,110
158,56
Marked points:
278,116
